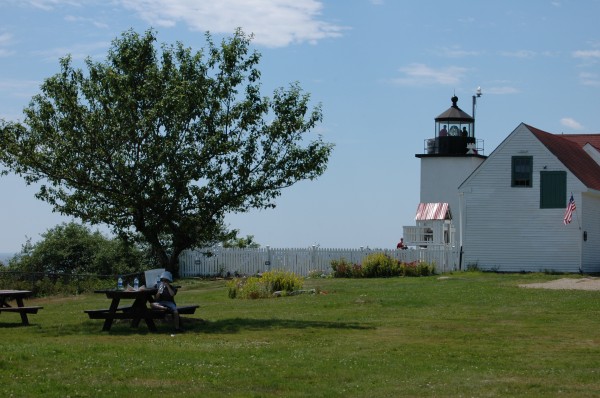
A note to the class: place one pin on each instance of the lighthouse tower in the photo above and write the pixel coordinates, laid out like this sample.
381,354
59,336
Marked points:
449,157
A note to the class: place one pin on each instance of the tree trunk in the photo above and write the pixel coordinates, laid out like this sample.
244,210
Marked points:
173,265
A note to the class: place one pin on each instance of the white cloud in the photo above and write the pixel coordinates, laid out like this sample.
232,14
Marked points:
417,74
589,79
519,54
18,88
77,52
501,90
571,123
5,40
274,23
48,5
586,54
87,21
456,52
42,4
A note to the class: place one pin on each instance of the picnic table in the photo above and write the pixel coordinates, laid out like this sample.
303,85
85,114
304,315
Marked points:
136,311
18,296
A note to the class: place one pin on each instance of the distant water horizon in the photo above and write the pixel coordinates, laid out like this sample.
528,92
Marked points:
4,257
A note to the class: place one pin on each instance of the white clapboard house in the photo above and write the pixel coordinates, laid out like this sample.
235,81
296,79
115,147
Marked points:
513,204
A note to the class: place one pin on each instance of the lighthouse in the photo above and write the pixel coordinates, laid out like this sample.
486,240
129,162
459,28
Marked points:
449,156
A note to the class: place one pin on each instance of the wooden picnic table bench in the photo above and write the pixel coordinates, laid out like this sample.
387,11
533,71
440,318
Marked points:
137,311
18,296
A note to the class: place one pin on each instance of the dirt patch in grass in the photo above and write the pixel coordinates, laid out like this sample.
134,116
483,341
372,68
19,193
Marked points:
567,284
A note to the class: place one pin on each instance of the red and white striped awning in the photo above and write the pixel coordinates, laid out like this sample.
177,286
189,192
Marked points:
433,211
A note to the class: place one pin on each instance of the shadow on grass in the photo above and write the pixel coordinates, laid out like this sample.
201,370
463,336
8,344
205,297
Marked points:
10,325
236,325
196,325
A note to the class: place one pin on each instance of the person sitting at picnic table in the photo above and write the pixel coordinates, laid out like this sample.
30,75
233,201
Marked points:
165,297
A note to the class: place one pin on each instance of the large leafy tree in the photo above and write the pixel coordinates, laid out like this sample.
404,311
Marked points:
74,249
161,143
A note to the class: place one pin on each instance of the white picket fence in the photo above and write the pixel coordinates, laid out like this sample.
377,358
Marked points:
230,261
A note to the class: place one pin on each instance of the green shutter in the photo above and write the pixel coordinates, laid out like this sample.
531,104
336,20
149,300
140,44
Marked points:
553,189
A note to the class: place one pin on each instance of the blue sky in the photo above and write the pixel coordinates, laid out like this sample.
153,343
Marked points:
382,70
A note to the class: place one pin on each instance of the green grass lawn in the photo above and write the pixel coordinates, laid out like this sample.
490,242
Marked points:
464,335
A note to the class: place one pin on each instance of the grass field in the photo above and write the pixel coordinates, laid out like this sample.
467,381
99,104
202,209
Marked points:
465,335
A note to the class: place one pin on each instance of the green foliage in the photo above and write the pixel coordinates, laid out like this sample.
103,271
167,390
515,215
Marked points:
248,288
73,249
265,285
56,286
417,269
162,144
241,243
317,273
342,268
49,285
379,265
286,281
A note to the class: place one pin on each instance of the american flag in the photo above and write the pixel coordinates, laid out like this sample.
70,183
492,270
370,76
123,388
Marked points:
569,212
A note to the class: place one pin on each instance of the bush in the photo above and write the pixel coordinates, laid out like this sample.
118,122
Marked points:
42,284
417,269
378,265
342,268
265,285
74,249
282,281
317,273
247,288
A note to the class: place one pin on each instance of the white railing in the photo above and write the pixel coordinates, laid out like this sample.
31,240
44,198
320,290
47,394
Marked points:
425,236
230,261
416,235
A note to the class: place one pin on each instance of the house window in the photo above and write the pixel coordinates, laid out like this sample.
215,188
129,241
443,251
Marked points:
553,189
522,171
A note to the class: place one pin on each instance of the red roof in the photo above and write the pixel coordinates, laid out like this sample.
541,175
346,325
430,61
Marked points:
433,211
568,148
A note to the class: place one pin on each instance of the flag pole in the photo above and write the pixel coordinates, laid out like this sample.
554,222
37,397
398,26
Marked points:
571,208
577,214
580,239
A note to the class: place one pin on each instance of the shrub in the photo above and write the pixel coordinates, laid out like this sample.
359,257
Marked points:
342,268
282,281
74,249
265,285
378,265
247,288
473,267
409,269
317,273
417,268
46,284
426,269
357,271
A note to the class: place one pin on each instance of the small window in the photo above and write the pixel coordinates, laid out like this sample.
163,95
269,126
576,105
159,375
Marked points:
522,171
553,189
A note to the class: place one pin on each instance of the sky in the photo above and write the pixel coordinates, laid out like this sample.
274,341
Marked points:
381,69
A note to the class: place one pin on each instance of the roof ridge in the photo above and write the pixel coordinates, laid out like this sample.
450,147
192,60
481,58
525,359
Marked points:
570,152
